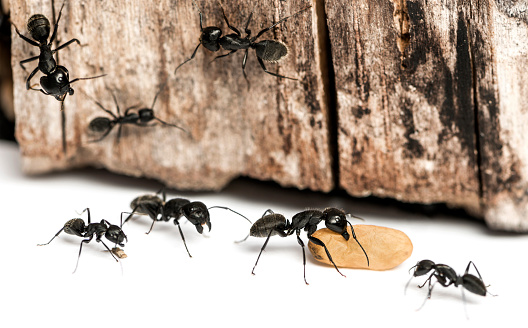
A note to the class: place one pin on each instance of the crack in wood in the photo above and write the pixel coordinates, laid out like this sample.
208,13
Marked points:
403,25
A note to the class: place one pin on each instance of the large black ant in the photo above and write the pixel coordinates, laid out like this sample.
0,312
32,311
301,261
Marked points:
271,224
446,276
159,209
78,227
56,80
267,50
141,117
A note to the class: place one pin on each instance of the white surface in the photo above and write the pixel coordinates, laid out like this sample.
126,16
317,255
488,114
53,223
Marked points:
158,285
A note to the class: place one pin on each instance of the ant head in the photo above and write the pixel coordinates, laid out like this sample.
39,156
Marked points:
198,214
271,50
335,220
145,115
423,267
39,28
57,83
209,38
116,235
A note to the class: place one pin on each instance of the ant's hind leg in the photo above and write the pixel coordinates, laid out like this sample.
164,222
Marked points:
261,62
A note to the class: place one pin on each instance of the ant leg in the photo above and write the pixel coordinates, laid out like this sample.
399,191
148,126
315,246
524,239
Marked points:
27,61
224,55
354,236
467,269
299,240
131,214
280,21
268,211
111,253
244,61
64,45
28,40
80,250
192,56
54,35
171,125
320,243
28,80
87,78
262,249
261,62
428,296
182,237
232,28
151,226
58,233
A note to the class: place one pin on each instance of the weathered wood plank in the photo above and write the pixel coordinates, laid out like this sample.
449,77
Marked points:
404,100
276,130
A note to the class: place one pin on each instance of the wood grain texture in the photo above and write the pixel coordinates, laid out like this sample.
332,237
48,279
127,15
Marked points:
421,101
276,130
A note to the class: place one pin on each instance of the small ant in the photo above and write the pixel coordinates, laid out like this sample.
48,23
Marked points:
56,80
159,209
446,276
271,224
78,227
267,50
140,117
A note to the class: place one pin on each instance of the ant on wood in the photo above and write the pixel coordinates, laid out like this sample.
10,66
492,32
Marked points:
141,117
56,80
159,209
266,50
271,224
78,227
446,276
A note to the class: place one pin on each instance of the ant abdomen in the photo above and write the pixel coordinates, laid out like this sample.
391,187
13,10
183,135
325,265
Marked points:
99,124
271,51
39,27
269,223
75,227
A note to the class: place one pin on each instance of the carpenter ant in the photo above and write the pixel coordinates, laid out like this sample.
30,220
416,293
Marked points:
446,276
78,227
103,125
159,209
271,224
56,80
267,50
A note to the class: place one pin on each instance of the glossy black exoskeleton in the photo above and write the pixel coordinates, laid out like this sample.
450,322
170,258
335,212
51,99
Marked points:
271,224
159,209
132,116
266,50
56,80
77,227
446,276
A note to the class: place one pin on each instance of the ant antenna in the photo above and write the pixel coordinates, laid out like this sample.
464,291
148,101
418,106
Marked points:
354,236
227,208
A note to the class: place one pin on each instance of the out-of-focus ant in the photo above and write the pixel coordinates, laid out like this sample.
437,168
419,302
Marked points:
446,276
266,50
133,116
88,231
159,209
271,224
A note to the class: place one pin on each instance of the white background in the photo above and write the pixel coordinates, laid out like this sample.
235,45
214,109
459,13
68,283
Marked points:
158,285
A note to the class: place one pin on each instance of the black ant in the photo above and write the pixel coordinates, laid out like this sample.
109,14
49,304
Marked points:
271,224
159,209
140,117
56,80
446,276
78,227
267,50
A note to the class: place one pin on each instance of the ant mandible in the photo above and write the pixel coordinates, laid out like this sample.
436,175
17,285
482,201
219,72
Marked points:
271,224
446,276
267,50
56,80
140,117
159,209
78,227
